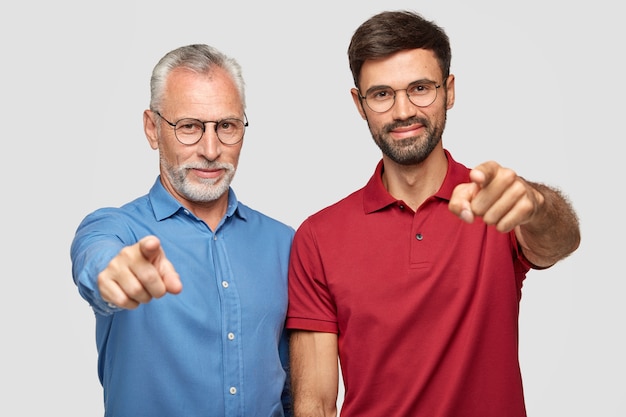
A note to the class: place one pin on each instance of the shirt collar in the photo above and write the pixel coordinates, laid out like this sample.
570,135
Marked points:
376,196
165,205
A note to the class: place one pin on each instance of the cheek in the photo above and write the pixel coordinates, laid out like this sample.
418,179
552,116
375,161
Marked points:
173,153
232,156
377,123
440,116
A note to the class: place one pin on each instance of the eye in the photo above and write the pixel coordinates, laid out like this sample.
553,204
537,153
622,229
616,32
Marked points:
189,126
381,94
420,89
227,125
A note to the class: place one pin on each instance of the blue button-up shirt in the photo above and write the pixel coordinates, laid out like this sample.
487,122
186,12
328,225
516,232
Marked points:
216,349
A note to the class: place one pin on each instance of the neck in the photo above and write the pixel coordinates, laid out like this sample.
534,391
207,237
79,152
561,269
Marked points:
212,212
413,184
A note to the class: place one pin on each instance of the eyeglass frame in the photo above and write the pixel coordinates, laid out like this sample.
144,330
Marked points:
406,91
203,123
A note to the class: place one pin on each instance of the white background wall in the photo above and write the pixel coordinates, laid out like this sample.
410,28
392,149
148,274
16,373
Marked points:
540,88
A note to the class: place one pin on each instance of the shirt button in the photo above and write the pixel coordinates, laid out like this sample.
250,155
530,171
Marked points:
419,236
233,390
225,284
231,336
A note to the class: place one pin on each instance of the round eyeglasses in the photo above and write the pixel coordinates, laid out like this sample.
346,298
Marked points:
381,99
189,131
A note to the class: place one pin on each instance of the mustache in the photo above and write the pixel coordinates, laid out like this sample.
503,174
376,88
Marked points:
207,165
404,123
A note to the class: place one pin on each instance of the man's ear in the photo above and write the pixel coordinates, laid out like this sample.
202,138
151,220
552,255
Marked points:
358,102
150,128
450,91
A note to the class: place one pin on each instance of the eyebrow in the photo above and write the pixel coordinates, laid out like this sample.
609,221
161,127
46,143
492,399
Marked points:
218,120
383,86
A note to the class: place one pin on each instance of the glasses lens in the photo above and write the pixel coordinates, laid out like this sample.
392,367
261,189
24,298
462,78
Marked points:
189,131
380,100
230,131
422,94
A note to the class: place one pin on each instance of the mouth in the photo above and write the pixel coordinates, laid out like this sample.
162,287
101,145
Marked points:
403,132
207,173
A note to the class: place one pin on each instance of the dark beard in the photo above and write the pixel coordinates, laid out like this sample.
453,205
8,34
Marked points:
409,151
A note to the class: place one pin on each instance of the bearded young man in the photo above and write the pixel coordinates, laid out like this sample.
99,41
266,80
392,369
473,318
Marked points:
414,281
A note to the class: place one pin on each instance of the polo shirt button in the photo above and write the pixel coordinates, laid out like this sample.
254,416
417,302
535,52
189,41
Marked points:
233,390
419,236
231,336
225,284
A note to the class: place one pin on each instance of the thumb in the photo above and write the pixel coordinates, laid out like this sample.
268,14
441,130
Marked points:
461,201
171,279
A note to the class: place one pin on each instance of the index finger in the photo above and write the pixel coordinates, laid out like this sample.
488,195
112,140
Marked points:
484,173
150,248
166,278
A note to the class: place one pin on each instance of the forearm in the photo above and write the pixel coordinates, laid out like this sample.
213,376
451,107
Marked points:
553,232
89,257
314,374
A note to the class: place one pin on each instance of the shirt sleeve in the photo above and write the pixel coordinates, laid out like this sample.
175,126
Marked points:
311,306
97,240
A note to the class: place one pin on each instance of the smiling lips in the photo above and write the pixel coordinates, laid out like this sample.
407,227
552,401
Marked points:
208,173
407,131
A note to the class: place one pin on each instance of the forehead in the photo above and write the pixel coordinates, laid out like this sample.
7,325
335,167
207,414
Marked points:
202,95
400,69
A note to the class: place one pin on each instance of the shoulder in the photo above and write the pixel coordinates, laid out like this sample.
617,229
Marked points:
256,217
116,217
337,214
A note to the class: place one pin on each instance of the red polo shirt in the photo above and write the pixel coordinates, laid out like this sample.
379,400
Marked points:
425,306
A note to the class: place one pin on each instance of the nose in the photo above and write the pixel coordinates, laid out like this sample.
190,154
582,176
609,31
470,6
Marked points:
209,144
403,108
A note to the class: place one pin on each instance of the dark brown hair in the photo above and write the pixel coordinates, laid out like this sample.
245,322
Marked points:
392,31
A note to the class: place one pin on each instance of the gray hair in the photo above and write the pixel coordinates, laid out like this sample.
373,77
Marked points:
199,58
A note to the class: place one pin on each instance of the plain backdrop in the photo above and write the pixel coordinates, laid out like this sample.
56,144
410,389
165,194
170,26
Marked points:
540,89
